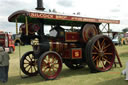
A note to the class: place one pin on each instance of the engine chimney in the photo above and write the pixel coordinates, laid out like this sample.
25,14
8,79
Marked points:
40,5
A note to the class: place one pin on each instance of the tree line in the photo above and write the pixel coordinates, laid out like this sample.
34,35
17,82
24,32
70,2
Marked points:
125,30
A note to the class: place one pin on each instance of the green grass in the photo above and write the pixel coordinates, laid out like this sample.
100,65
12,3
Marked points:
67,76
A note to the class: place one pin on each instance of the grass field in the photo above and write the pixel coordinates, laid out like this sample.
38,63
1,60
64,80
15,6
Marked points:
67,76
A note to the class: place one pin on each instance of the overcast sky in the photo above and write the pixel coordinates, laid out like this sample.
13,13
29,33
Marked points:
108,9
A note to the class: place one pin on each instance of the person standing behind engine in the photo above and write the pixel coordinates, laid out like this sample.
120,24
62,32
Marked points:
4,65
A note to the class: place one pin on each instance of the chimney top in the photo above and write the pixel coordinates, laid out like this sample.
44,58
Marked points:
40,5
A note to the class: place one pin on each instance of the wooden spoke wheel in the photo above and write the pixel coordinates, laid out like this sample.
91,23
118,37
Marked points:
88,31
50,65
100,53
28,64
73,65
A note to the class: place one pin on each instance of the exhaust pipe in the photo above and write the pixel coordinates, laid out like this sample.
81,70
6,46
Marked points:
40,5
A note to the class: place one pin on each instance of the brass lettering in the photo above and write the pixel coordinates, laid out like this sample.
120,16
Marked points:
61,17
77,54
32,14
72,18
39,15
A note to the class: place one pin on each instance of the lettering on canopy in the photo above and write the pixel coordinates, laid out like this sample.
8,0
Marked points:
71,18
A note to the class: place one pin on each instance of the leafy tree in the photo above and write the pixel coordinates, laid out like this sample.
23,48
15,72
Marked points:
54,10
78,13
50,10
125,30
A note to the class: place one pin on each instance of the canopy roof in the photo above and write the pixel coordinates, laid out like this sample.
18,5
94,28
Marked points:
50,18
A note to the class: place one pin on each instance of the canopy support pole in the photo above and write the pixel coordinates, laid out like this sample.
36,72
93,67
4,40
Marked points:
108,29
26,23
16,26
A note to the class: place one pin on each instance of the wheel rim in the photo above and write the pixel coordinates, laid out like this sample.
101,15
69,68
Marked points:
51,65
103,54
29,64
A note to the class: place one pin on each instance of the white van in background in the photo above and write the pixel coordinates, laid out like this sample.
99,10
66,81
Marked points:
115,40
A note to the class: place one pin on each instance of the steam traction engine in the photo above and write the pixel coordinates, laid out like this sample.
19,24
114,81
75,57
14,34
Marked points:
73,47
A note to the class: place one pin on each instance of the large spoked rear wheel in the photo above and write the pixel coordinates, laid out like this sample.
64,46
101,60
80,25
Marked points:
100,53
50,65
28,64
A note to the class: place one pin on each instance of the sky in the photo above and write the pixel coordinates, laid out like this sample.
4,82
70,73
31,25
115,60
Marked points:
104,9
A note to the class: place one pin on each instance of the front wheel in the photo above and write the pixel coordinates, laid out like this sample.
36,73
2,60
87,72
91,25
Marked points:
50,65
100,53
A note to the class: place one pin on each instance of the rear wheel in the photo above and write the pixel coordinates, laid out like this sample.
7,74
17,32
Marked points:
100,53
50,65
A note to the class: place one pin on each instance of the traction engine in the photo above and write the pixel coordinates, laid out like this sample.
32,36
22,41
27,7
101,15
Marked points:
73,47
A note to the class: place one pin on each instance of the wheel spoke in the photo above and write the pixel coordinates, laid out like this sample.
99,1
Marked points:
53,59
54,70
48,59
97,62
55,67
106,60
108,53
105,50
102,47
49,71
45,60
56,64
96,48
29,69
45,70
27,60
102,63
95,58
26,63
107,46
30,57
26,66
102,42
44,67
105,57
98,42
